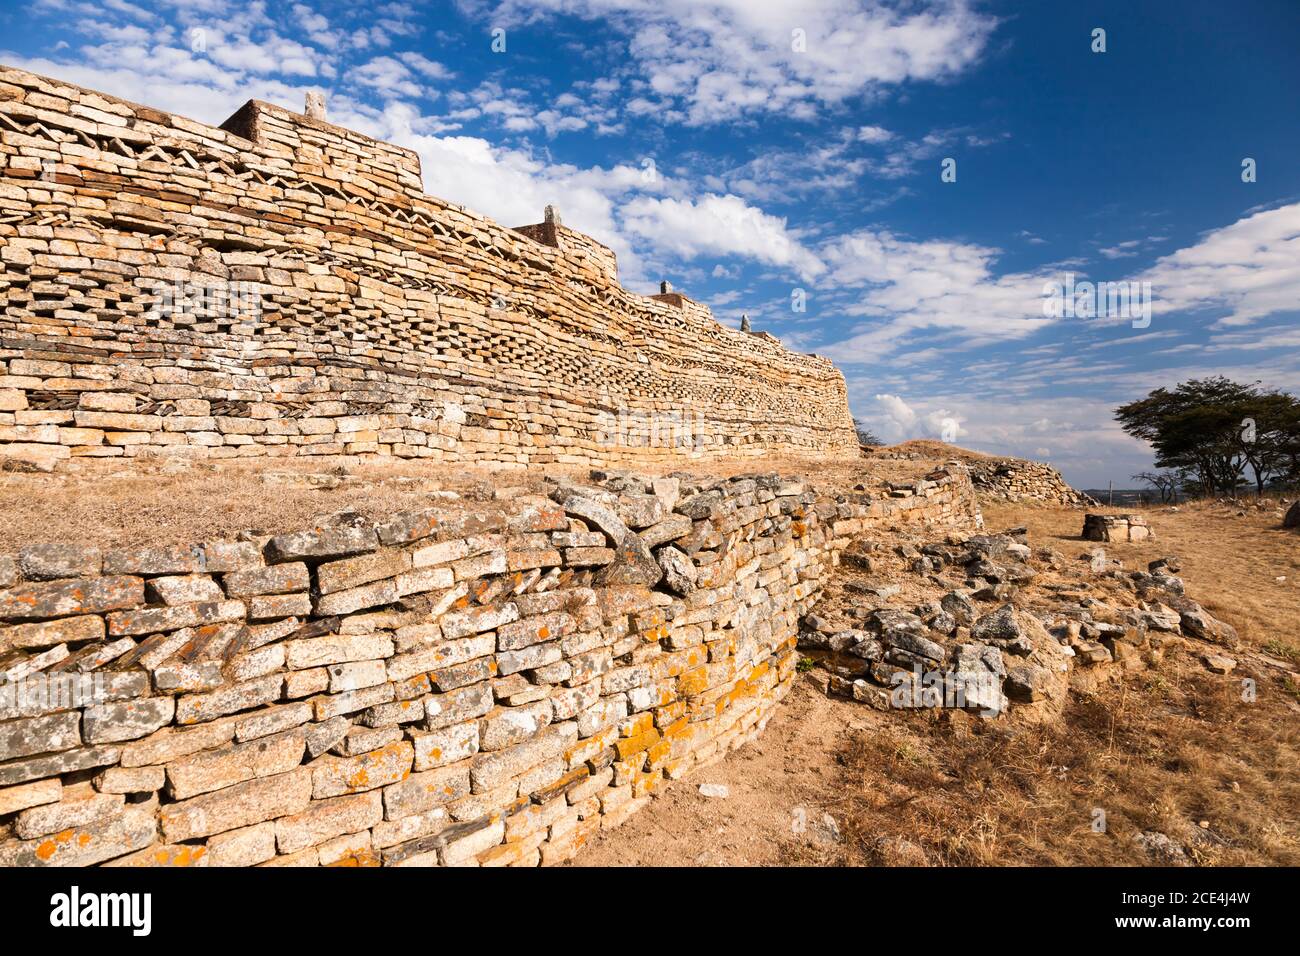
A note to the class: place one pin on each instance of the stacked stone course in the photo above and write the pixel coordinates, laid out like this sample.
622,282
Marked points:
279,286
447,687
1017,479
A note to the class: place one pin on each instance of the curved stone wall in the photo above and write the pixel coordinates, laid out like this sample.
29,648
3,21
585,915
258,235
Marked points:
451,687
279,286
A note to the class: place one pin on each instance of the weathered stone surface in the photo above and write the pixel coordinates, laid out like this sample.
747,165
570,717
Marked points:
479,619
65,598
222,557
511,725
679,570
1000,625
322,543
171,743
597,514
456,706
69,761
131,780
441,747
442,654
215,769
246,846
253,801
126,720
39,735
46,562
490,770
354,599
80,806
184,589
337,649
351,701
423,792
633,564
277,579
84,845
89,627
333,777
325,819
171,855
353,572
155,560
156,619
13,799
195,708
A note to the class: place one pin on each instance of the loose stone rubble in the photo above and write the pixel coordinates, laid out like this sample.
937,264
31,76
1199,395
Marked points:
1016,479
486,685
279,286
988,623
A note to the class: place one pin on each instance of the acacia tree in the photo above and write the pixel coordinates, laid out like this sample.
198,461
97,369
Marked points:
866,437
1166,483
1218,430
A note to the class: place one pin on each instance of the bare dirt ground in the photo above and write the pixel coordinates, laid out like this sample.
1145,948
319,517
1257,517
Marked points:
780,786
1174,750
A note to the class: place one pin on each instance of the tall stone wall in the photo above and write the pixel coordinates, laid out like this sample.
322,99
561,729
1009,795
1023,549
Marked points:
446,687
279,286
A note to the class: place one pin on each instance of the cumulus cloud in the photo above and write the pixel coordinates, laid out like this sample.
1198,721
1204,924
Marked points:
710,62
895,420
719,225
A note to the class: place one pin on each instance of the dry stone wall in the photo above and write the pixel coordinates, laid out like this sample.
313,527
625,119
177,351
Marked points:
279,286
1017,479
451,687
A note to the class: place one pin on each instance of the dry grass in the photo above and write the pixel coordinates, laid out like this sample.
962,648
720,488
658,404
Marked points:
1174,749
1232,563
179,503
1156,752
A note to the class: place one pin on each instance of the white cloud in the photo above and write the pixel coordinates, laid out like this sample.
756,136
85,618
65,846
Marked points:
388,77
714,61
929,285
896,420
1251,269
719,225
874,134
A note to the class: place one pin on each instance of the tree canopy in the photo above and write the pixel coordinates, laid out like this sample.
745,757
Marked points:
1219,434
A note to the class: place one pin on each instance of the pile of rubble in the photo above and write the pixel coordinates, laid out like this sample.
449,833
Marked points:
1016,479
984,621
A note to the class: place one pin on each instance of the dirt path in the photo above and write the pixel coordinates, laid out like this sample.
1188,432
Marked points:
789,776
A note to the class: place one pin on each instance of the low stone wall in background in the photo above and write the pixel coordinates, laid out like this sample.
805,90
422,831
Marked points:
451,687
1116,528
1017,479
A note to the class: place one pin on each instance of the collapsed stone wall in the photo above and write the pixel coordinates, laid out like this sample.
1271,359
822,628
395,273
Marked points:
449,687
279,286
1017,479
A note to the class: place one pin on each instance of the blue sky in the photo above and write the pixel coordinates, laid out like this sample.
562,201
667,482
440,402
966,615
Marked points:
748,149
